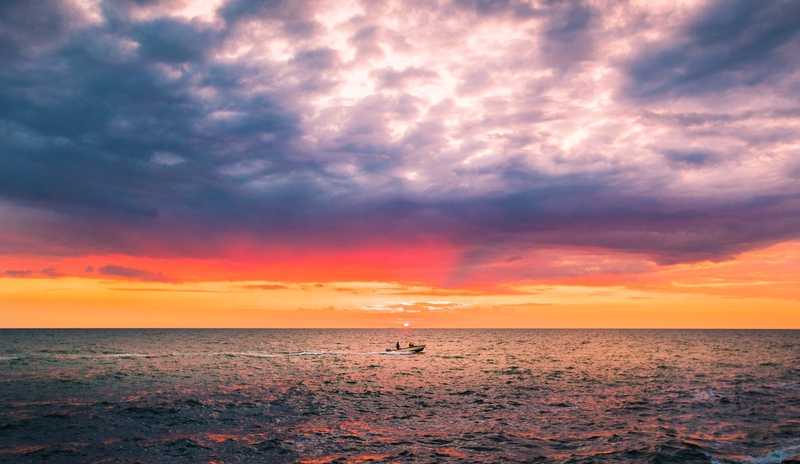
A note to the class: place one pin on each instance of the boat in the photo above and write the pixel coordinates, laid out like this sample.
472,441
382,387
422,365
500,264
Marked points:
407,350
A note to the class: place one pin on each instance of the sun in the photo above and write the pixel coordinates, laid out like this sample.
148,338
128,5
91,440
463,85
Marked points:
406,324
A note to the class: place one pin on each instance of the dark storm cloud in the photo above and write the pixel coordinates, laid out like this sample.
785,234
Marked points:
174,41
495,230
27,26
729,44
668,233
82,125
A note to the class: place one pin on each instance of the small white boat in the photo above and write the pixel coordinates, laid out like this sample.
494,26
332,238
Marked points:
407,350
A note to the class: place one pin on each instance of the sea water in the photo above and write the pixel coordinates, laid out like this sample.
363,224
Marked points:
319,396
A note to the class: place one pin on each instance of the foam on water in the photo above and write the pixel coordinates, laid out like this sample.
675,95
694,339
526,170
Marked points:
397,353
778,456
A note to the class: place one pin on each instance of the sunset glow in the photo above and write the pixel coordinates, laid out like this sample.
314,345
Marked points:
399,164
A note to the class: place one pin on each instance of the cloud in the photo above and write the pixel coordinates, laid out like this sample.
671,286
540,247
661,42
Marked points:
415,306
30,27
515,8
167,290
166,158
173,41
267,287
111,270
48,273
728,44
293,17
17,273
567,39
392,78
692,158
318,126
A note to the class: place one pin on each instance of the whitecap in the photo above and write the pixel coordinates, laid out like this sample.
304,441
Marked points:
705,395
774,457
777,456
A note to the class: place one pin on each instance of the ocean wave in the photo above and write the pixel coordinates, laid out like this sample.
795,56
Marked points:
777,456
706,396
336,395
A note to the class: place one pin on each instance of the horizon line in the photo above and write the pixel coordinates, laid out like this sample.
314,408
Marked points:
403,328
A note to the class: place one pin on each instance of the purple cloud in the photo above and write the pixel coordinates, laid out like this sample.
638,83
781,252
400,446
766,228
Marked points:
129,273
18,273
662,130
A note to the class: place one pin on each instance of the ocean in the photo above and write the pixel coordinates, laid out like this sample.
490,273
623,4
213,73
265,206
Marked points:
331,396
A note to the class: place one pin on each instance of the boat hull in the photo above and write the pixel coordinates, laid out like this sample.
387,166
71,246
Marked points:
409,350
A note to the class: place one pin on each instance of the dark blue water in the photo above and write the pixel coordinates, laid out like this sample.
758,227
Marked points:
236,396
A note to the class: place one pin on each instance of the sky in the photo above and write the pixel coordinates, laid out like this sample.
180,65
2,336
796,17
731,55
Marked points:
437,163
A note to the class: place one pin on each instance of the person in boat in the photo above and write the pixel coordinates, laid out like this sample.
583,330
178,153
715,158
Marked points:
411,345
398,345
